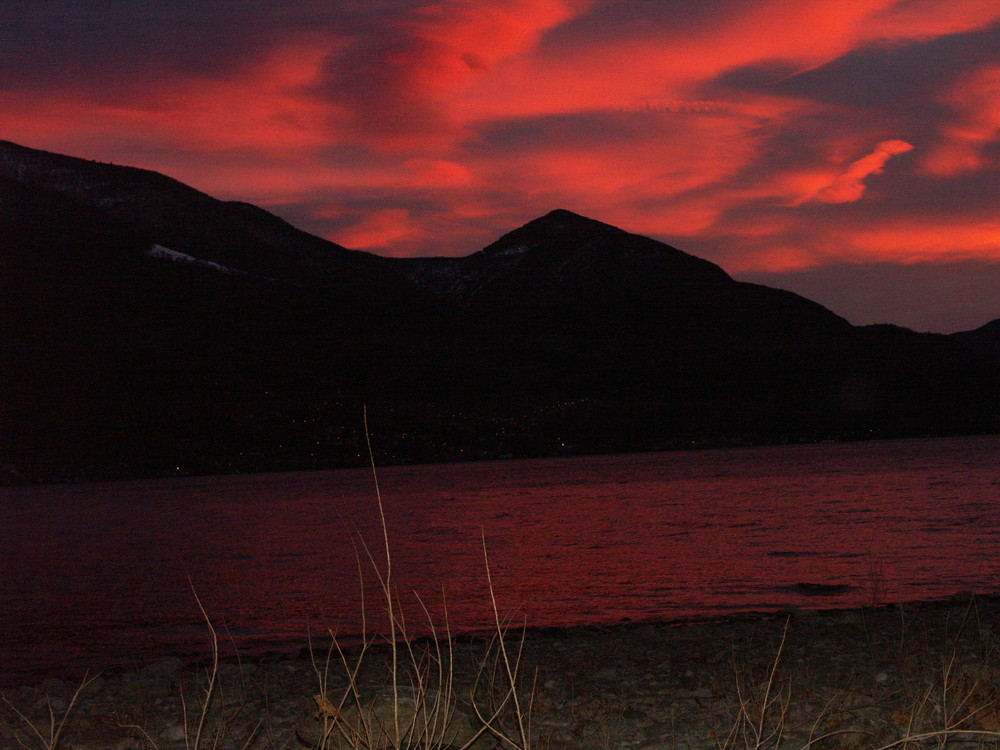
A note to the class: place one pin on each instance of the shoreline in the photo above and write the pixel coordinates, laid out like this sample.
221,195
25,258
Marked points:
291,648
869,674
13,478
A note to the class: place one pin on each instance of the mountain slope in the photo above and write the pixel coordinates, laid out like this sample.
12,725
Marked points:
148,329
117,363
984,340
168,213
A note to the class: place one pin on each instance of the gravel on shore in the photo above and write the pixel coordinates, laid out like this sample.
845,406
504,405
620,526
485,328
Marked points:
863,678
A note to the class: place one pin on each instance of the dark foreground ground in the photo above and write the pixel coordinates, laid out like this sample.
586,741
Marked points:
914,675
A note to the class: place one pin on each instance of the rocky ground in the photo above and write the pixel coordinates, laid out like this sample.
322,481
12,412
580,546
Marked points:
865,678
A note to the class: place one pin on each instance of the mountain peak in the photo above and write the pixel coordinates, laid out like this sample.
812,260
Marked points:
572,240
562,221
565,216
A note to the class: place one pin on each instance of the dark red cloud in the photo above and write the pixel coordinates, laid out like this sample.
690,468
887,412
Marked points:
779,138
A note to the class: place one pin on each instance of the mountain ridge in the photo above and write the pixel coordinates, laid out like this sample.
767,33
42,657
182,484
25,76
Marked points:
984,340
184,219
565,335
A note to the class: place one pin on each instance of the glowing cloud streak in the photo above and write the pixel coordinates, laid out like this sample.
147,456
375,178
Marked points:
850,184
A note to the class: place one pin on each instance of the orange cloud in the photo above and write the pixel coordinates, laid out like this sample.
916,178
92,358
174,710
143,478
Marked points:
931,18
403,100
775,258
656,160
849,185
966,139
385,227
268,106
915,240
663,64
908,241
463,38
438,173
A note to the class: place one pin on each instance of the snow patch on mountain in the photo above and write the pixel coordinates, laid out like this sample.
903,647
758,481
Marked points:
513,250
175,256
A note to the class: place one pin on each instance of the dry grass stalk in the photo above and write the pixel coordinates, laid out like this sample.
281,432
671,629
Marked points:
956,704
212,681
511,678
52,736
961,704
760,719
422,711
199,739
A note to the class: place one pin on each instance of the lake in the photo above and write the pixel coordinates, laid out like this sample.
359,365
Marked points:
93,576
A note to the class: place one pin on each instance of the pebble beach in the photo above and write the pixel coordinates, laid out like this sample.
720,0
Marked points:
909,675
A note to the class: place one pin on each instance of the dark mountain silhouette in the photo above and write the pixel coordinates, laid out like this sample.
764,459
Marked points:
985,340
150,329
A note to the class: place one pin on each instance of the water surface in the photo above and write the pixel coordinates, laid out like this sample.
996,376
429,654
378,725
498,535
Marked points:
104,574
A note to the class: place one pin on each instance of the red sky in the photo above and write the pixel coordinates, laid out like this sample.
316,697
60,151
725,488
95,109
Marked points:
845,149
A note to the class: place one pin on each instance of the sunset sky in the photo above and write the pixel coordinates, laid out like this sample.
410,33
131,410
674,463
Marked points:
845,149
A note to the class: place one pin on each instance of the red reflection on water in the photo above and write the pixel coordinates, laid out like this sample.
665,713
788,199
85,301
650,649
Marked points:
100,574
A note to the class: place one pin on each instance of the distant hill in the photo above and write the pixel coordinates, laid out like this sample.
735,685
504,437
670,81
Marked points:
149,329
985,340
